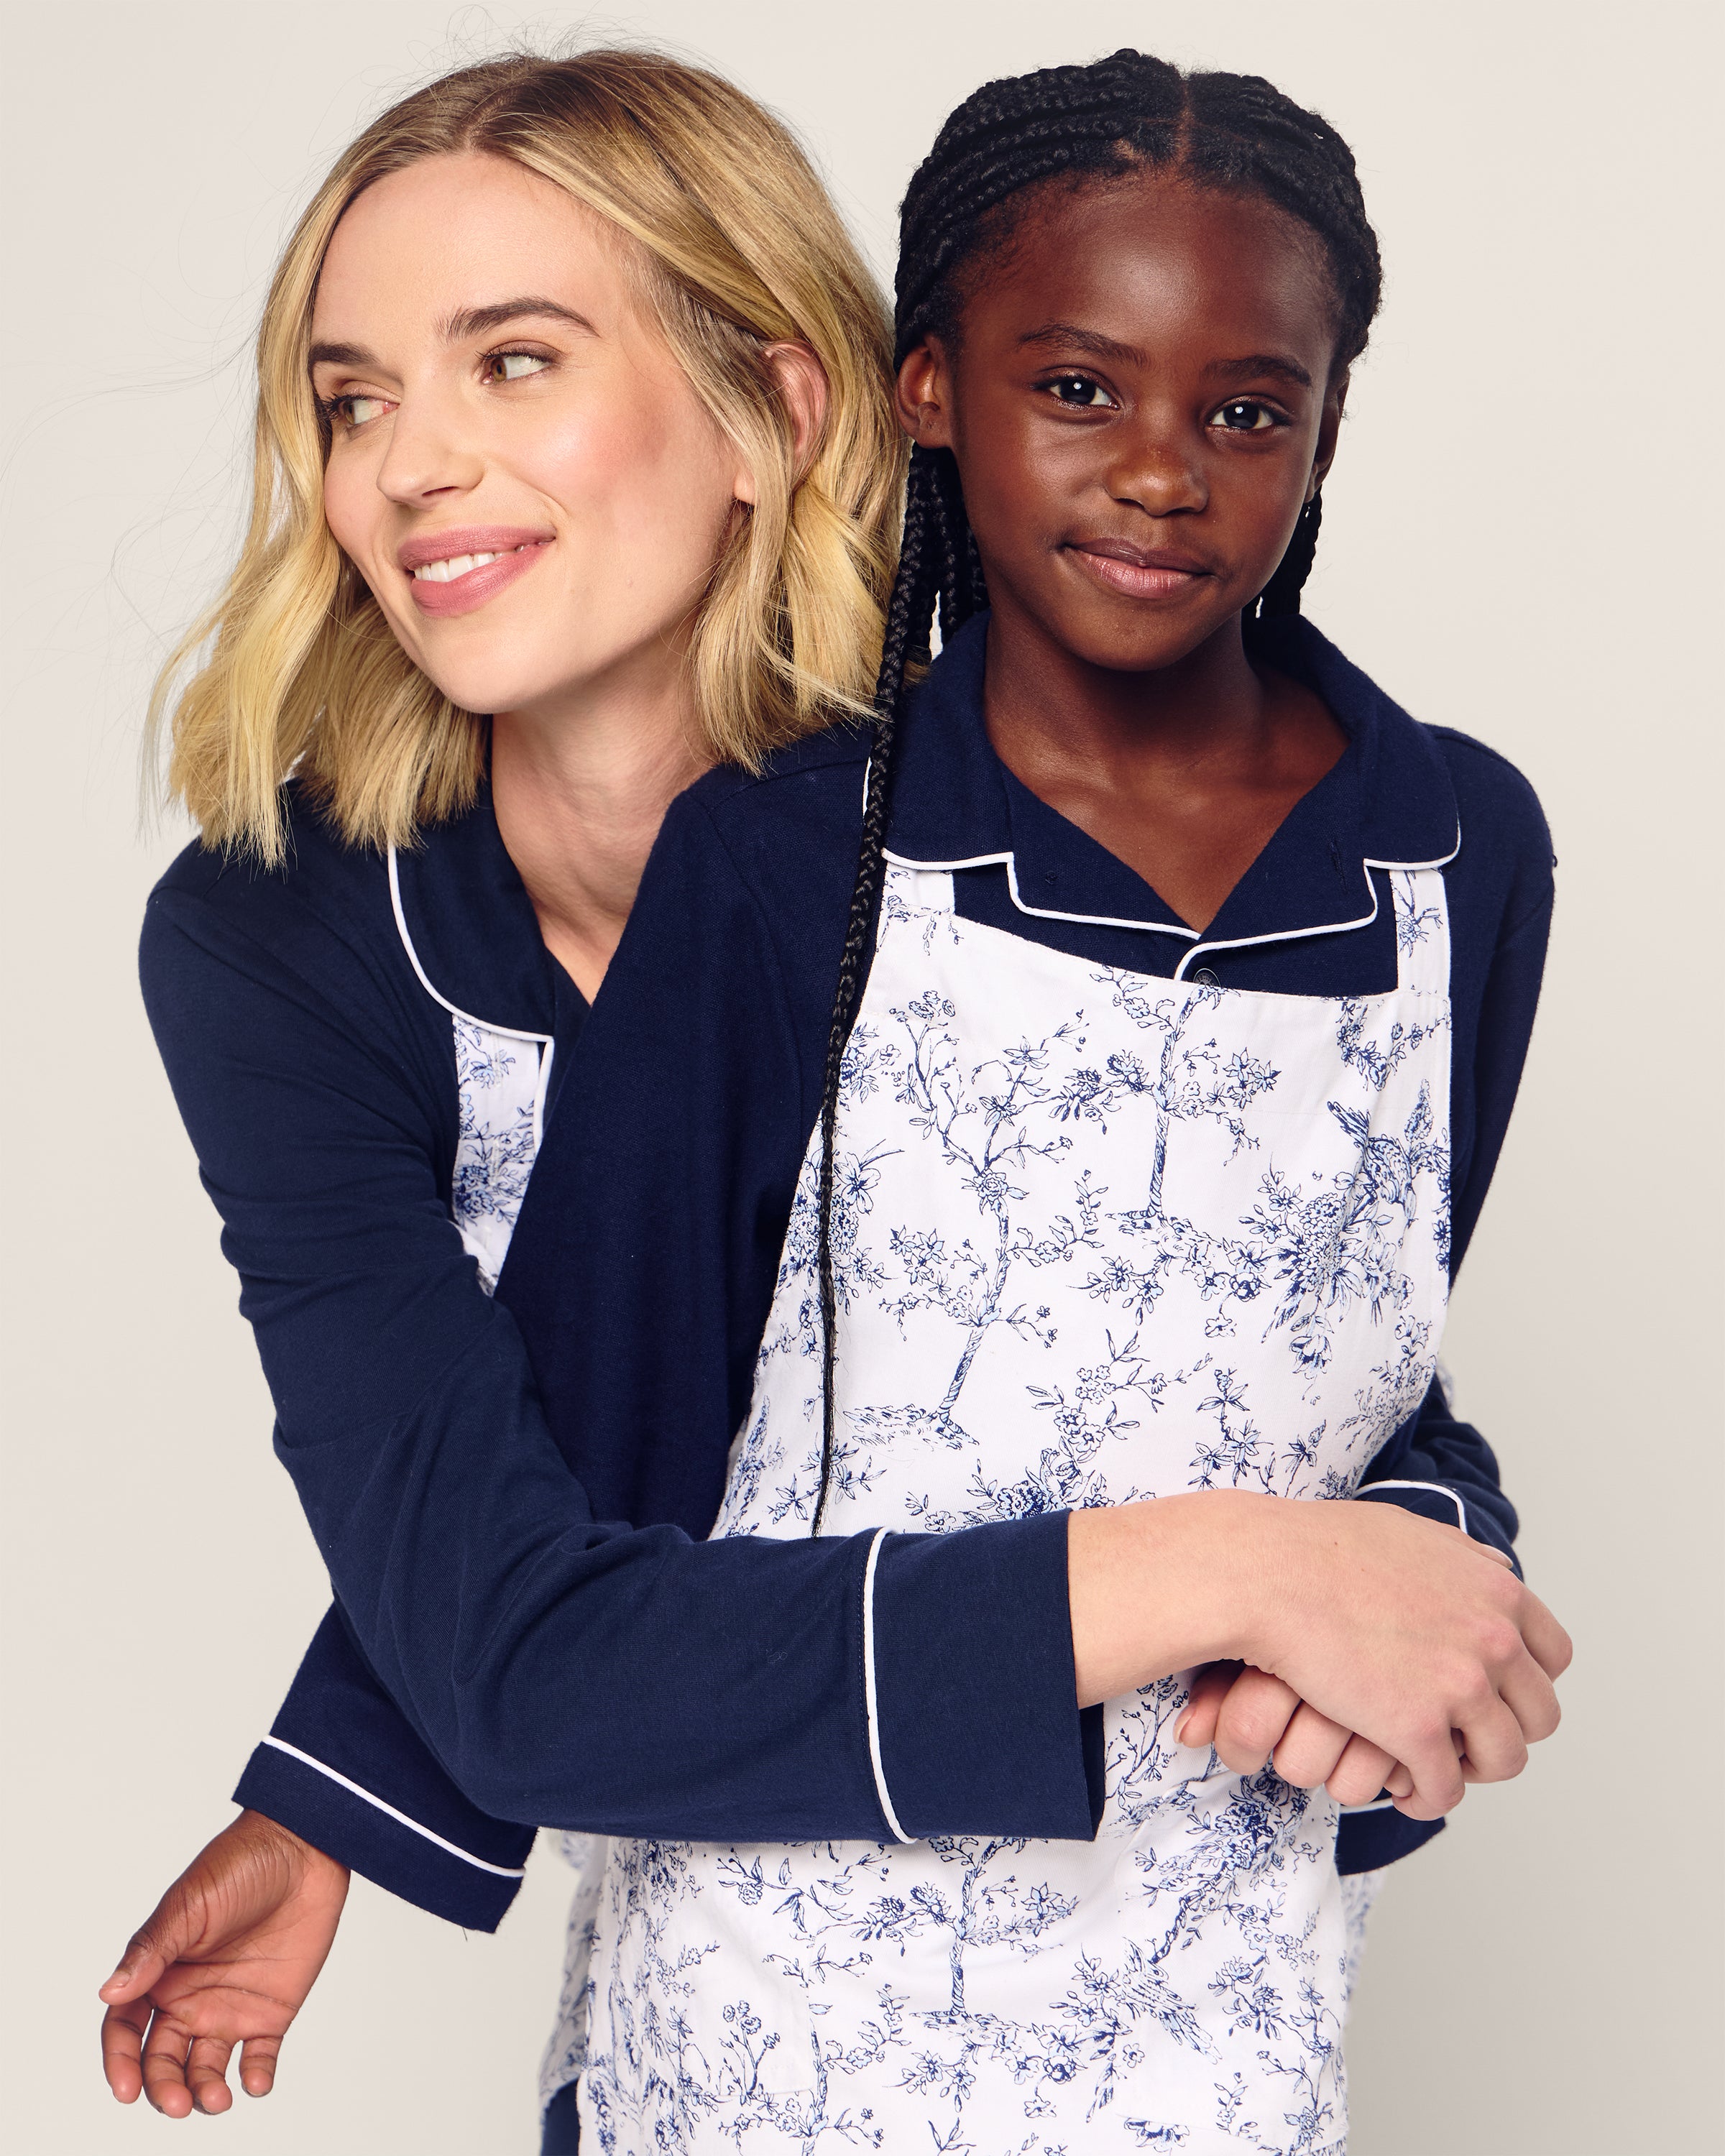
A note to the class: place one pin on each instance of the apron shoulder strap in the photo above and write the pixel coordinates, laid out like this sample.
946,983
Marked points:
1422,931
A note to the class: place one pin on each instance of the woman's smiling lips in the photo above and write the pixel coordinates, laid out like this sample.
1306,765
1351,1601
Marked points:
454,572
1139,573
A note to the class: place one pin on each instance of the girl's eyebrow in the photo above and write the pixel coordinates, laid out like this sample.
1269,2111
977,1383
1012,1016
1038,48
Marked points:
1260,362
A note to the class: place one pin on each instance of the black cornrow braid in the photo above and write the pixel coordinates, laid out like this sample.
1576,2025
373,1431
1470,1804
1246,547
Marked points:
924,571
1235,132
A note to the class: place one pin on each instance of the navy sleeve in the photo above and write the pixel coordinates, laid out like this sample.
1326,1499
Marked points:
560,1666
342,1768
1444,1470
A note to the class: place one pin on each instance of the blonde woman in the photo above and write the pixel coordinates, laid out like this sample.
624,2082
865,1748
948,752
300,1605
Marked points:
573,411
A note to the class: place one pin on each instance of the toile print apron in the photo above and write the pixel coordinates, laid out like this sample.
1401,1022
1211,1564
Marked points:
1099,1236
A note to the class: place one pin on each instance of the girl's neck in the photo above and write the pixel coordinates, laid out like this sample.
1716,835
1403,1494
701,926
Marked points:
579,795
1184,773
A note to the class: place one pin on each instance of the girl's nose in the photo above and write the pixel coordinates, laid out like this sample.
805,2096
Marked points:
430,452
1158,467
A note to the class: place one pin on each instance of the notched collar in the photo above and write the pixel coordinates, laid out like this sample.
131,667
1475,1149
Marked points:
469,927
1388,802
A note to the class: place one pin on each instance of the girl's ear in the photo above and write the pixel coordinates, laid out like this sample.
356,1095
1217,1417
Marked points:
1329,433
924,396
802,382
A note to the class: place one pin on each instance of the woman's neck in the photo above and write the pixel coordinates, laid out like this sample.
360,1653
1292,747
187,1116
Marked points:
579,795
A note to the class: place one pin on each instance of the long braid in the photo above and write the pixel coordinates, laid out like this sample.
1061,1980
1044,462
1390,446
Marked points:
907,618
1078,125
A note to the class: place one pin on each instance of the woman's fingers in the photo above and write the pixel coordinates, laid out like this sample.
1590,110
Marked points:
1197,1726
122,2048
206,2073
1309,1753
1363,1770
1253,1720
258,2064
1547,1641
1398,1781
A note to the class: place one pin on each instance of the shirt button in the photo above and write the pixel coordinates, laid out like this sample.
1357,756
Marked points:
1206,978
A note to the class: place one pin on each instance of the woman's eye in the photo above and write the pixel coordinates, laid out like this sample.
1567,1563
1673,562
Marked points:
353,411
514,365
1079,392
1246,416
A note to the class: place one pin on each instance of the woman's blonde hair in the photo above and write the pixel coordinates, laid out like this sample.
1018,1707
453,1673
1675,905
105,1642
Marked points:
296,669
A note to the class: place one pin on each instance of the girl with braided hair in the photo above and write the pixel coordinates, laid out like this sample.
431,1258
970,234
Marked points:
952,1363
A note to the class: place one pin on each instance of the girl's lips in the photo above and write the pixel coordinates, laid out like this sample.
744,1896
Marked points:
462,594
1137,580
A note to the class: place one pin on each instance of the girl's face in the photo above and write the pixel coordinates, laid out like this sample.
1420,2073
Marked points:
518,467
1140,402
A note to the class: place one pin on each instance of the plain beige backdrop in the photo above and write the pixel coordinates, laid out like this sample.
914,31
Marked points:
1520,540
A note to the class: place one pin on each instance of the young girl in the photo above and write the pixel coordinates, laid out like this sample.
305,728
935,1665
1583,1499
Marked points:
1118,1190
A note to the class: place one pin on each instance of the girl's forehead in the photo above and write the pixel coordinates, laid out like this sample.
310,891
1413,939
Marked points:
1140,259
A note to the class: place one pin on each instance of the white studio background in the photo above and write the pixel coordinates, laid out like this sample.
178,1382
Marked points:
1517,541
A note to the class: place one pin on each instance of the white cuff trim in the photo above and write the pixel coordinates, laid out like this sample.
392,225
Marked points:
1377,1805
868,1701
1366,1488
401,1818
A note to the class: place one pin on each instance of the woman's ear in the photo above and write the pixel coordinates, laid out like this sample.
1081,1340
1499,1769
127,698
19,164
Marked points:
923,396
802,382
1329,433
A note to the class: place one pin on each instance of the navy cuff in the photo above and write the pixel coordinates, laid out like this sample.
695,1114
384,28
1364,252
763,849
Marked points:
410,1862
1367,1840
976,1701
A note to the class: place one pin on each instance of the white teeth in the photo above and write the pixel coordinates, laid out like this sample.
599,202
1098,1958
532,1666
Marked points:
457,565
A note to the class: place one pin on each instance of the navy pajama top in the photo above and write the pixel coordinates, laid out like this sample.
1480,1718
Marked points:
512,1492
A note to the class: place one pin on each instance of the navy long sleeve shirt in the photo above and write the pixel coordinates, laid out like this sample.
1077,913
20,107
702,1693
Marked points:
512,1492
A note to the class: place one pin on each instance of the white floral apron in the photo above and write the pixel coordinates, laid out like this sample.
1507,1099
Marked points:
1099,1236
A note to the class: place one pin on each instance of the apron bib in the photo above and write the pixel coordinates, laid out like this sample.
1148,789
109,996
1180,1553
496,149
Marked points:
1099,1236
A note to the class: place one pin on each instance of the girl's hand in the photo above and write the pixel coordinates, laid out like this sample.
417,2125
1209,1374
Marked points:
227,1957
1383,1623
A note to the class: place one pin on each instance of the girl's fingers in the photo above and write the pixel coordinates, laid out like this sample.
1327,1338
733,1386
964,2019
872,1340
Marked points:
257,2065
122,2048
1253,1718
1308,1754
1398,1781
1432,1763
140,1967
165,2049
1363,1770
206,2073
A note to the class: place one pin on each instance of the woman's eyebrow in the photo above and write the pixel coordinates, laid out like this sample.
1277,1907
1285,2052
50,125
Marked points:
479,321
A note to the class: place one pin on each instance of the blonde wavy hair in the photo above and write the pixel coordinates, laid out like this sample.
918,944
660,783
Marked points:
294,670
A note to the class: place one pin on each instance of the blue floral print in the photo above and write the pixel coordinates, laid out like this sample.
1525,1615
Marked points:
1096,1237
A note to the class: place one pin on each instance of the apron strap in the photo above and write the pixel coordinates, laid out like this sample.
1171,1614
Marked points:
1422,931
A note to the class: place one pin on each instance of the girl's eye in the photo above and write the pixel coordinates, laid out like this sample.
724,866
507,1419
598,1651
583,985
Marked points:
514,365
1246,416
1079,392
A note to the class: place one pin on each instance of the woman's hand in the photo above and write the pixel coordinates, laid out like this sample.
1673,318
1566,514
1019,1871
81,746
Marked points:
227,1957
1251,1717
1382,1623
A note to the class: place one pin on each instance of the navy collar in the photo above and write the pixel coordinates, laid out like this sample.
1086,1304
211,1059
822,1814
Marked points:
1388,802
469,927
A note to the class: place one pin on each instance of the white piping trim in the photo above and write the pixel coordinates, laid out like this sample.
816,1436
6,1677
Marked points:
1009,862
1441,1490
1377,1804
868,1701
293,1751
540,1092
508,1032
1324,928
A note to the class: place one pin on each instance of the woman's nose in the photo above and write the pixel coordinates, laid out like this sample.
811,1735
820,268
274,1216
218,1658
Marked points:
430,452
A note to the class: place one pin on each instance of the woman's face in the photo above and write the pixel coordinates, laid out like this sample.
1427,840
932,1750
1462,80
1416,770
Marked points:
518,467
